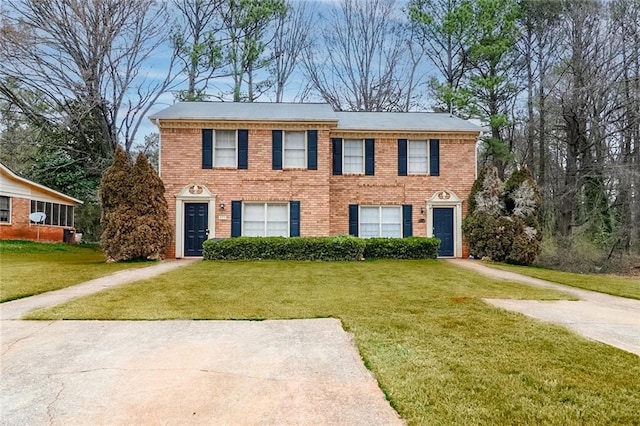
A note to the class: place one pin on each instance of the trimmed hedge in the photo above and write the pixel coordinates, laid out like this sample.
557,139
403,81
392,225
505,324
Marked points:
401,248
320,248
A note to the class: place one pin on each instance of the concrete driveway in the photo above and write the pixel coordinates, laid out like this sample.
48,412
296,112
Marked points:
303,372
597,316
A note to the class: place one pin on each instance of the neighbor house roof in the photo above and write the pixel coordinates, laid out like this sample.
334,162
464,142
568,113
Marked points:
246,111
262,111
6,173
404,121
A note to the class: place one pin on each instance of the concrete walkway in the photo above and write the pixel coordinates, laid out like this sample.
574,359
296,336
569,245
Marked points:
597,316
15,309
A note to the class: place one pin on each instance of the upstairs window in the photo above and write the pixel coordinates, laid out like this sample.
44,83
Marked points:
417,157
225,148
353,156
295,150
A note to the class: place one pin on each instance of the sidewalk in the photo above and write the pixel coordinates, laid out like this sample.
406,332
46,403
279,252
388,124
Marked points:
608,319
15,309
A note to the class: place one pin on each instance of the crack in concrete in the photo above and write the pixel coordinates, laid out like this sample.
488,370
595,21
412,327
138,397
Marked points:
12,344
55,399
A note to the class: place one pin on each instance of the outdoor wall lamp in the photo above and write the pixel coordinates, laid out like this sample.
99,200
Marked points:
221,206
421,209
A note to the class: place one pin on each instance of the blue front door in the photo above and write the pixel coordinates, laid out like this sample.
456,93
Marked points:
443,229
196,220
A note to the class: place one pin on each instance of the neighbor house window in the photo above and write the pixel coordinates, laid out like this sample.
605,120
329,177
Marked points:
56,214
353,156
295,150
265,220
418,157
380,221
5,209
225,148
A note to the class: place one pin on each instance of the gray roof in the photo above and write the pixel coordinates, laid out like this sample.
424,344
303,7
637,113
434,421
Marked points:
404,121
246,111
374,121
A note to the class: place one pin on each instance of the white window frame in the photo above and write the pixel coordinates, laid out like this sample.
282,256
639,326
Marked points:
215,143
266,221
380,207
284,149
10,199
409,142
361,172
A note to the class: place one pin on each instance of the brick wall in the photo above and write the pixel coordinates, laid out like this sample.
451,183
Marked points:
22,229
324,198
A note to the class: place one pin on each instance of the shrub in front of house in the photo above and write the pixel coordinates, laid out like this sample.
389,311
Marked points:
320,248
401,248
281,248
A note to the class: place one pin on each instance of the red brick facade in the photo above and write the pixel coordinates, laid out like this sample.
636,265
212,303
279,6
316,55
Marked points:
324,198
20,228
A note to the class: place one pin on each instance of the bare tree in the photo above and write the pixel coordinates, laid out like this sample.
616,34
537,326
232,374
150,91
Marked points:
198,46
359,62
290,40
89,61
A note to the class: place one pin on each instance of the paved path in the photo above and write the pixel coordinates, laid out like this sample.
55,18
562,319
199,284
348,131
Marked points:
608,319
302,372
15,309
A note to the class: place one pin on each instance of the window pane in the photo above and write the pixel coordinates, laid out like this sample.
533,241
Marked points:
277,220
391,230
253,220
69,215
55,218
294,150
225,148
33,206
369,222
391,214
417,157
47,211
5,209
63,215
353,156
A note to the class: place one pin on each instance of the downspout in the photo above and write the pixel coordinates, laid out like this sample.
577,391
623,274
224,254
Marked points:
160,148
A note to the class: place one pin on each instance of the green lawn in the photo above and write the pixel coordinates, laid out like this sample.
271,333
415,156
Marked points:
28,268
616,286
441,355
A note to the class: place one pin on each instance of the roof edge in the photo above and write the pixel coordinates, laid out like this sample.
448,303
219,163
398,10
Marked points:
39,186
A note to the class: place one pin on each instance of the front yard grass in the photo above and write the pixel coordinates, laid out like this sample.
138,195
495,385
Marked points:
616,286
441,355
28,268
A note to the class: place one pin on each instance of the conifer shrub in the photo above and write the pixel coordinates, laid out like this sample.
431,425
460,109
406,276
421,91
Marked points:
503,223
135,222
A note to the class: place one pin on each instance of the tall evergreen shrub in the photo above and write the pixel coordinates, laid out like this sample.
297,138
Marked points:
135,221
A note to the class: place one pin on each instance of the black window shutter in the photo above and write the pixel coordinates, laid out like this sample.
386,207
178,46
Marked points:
294,219
402,157
236,218
407,220
369,157
207,148
276,150
312,149
337,156
434,157
243,149
353,220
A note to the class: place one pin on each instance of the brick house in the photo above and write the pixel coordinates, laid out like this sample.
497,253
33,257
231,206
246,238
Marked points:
260,169
19,197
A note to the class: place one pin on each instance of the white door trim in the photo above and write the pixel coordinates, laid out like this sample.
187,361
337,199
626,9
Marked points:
193,193
446,198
